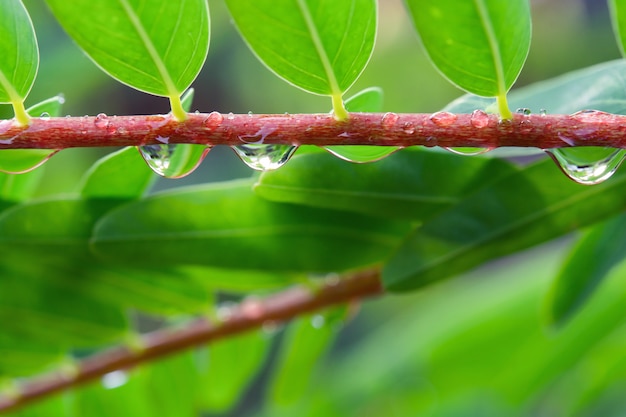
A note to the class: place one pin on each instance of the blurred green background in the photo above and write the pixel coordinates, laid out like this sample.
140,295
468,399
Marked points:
473,346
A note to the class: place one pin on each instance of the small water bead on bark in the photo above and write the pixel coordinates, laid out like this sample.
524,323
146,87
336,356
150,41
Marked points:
543,112
389,120
173,160
443,118
479,119
213,121
588,165
230,116
408,128
103,122
523,110
44,116
264,157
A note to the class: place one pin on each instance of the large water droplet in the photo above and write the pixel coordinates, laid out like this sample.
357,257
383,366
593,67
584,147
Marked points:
21,161
588,165
389,120
264,157
443,118
213,121
468,151
173,160
479,119
361,153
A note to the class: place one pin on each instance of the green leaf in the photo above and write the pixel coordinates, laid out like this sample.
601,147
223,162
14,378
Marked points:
618,18
413,183
305,342
320,46
368,100
241,232
517,211
587,265
19,56
479,45
226,369
155,47
121,174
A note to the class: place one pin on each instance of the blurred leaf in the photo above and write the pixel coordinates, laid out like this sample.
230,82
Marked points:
56,405
478,45
413,183
227,367
368,100
242,232
319,46
306,340
156,47
19,55
618,18
588,264
21,356
517,211
121,174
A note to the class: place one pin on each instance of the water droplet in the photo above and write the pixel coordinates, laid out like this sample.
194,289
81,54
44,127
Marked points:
361,153
389,120
468,151
523,110
21,161
264,157
443,118
102,122
543,112
318,321
250,114
45,116
408,128
588,165
591,116
173,160
479,119
525,126
213,121
114,379
230,116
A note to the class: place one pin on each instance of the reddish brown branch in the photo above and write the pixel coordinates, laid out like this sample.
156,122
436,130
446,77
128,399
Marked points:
248,315
440,129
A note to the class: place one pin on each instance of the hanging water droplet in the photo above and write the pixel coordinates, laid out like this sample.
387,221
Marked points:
588,165
523,110
443,118
173,160
114,379
408,128
264,157
389,120
479,119
468,151
44,116
361,153
21,161
213,121
318,321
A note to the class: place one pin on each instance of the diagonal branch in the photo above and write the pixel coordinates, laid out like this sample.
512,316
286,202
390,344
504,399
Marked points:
248,315
587,128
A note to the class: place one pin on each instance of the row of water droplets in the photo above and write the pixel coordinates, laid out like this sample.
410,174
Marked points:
586,165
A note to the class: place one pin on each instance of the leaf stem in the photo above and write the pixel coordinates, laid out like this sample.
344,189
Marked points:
178,111
276,308
21,115
339,109
503,107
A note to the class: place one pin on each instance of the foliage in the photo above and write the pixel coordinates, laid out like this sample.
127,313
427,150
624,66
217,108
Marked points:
114,253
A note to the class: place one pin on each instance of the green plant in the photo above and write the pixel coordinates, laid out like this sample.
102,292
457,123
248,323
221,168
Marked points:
85,270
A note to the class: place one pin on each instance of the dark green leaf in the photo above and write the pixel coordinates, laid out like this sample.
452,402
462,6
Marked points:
518,211
588,264
241,231
413,183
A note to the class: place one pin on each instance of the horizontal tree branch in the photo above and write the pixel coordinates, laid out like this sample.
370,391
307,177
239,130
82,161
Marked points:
248,315
587,128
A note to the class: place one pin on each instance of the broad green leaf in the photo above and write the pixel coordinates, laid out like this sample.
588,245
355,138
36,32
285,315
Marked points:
368,100
320,46
155,47
121,174
479,45
587,265
517,211
413,183
19,56
305,342
226,369
241,232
